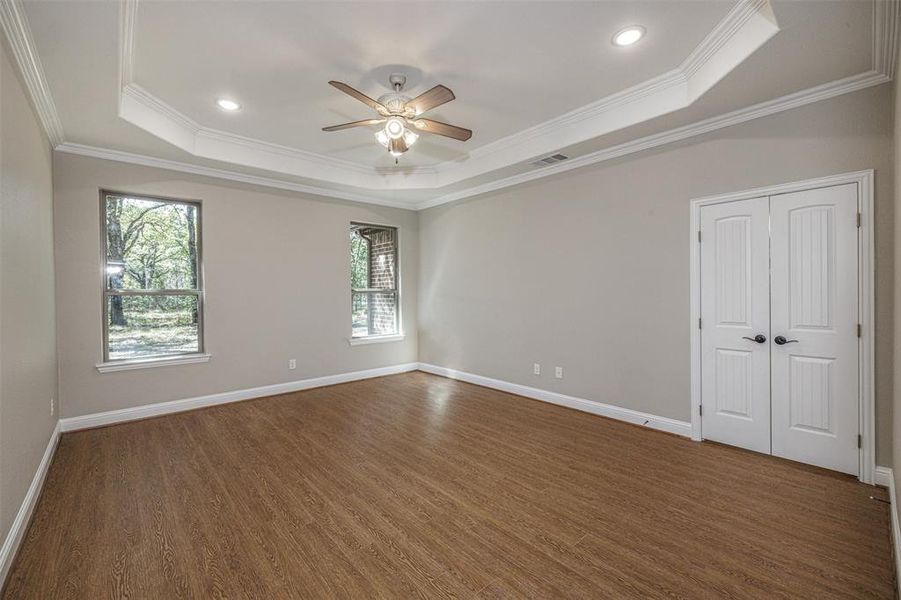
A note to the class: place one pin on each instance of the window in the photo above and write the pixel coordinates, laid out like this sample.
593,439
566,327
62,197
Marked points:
373,281
153,291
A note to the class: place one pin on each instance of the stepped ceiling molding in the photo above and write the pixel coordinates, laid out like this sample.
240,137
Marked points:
146,95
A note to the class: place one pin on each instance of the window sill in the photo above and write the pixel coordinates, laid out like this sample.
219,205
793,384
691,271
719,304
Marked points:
376,339
148,363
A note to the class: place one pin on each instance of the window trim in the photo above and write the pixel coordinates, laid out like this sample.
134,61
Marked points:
119,364
362,340
147,363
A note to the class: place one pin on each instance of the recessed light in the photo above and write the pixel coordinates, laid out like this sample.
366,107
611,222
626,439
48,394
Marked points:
229,105
629,35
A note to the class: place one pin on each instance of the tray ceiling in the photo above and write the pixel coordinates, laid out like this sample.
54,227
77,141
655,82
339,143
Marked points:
138,80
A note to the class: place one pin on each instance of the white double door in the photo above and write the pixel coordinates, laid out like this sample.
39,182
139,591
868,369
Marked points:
779,325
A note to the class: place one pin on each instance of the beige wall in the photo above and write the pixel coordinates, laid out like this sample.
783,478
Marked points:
277,279
27,319
589,270
896,445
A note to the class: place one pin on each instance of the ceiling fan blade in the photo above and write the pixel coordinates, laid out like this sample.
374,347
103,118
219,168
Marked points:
436,96
362,123
360,96
439,128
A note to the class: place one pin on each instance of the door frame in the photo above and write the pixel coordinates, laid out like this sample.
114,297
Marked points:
865,296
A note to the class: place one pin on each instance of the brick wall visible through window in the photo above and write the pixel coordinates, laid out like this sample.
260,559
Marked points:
374,293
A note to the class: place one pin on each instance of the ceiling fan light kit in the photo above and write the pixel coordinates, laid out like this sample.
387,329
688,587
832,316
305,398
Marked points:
400,114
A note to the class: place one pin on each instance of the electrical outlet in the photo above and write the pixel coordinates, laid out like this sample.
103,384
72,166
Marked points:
52,406
292,364
558,372
536,368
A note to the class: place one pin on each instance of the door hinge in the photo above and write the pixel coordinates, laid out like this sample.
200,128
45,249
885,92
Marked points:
699,236
701,409
859,441
859,218
859,330
699,322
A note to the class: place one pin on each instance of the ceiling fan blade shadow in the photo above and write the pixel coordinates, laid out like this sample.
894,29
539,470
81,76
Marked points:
360,96
362,123
430,99
439,128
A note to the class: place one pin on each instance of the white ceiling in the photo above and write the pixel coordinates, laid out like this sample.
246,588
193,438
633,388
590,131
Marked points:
142,78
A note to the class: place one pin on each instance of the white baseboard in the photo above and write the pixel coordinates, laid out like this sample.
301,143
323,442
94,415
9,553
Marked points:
605,410
885,476
23,517
174,406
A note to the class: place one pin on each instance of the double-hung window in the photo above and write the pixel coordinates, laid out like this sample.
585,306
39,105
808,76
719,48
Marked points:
153,285
373,281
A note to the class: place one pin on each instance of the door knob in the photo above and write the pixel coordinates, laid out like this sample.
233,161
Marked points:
759,338
780,339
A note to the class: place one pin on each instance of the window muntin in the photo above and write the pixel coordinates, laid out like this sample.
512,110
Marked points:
374,276
152,293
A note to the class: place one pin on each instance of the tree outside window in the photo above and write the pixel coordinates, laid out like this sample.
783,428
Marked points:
153,298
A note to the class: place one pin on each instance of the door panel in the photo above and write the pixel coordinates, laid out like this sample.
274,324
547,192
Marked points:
814,301
735,372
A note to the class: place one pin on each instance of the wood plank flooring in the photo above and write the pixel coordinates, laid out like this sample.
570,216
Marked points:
418,486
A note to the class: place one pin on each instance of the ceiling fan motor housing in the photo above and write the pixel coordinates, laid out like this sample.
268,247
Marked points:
396,103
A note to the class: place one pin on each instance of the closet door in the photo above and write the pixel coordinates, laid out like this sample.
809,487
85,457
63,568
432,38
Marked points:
735,304
814,327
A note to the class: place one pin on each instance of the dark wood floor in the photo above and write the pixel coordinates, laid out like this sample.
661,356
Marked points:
419,486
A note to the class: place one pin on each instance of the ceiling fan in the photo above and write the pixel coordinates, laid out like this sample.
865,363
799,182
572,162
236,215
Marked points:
401,115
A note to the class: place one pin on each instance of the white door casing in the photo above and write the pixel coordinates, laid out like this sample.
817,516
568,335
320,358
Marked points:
814,301
735,296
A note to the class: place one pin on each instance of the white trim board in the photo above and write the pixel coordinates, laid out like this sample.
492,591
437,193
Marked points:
222,174
866,300
175,406
20,524
885,477
819,93
628,415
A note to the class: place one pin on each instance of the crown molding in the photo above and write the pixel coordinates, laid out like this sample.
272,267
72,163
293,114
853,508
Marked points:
748,26
885,36
816,94
183,167
764,109
886,17
886,14
21,42
143,109
724,31
128,15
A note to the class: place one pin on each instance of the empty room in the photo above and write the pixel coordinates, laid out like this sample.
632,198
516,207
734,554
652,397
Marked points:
450,299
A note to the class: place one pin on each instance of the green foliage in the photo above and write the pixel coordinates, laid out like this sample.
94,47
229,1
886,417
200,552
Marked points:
158,311
359,261
152,326
152,243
